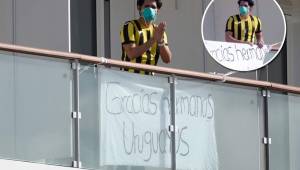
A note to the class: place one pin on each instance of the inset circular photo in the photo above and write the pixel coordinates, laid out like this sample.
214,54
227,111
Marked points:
243,35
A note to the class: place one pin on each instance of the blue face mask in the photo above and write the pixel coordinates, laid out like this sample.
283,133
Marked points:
244,10
149,14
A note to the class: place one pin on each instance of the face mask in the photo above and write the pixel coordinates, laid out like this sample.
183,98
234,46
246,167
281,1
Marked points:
149,14
244,10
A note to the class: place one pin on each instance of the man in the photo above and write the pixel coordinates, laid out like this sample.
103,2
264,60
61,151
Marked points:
244,27
143,41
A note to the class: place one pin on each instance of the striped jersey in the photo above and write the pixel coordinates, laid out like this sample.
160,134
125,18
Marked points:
133,32
244,29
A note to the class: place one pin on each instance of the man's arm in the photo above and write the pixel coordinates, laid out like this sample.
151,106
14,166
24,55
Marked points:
229,31
259,34
128,41
160,36
165,54
229,38
260,39
133,51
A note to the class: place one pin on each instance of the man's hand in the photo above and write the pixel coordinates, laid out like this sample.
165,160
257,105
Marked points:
159,32
260,44
158,37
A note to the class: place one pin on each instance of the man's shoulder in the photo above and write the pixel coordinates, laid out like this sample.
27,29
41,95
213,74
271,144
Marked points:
254,17
232,16
129,22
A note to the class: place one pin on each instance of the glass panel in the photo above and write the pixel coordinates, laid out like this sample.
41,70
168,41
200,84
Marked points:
284,117
132,122
37,112
7,113
218,127
89,124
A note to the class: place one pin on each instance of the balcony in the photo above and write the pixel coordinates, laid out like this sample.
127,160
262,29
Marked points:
71,110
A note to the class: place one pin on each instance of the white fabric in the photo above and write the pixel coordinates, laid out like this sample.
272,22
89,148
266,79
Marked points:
238,56
135,119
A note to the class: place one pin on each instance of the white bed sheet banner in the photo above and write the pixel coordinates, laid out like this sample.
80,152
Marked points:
238,56
135,118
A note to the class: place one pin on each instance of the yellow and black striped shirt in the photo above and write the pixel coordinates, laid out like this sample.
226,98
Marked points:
244,29
132,32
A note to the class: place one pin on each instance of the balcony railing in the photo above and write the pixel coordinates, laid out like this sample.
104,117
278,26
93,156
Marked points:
71,110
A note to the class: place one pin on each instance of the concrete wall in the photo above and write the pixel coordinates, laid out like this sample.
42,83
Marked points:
293,41
6,20
42,23
36,23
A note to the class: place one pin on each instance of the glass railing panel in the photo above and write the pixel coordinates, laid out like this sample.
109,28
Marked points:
7,113
132,122
294,135
89,124
218,126
284,117
38,109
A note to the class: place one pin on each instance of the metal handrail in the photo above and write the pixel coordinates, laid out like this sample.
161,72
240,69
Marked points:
164,70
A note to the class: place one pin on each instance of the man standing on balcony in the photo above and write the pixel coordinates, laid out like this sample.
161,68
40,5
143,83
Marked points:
142,40
244,27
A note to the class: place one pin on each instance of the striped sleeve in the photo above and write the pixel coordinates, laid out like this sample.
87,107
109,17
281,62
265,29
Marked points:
127,33
229,24
259,26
